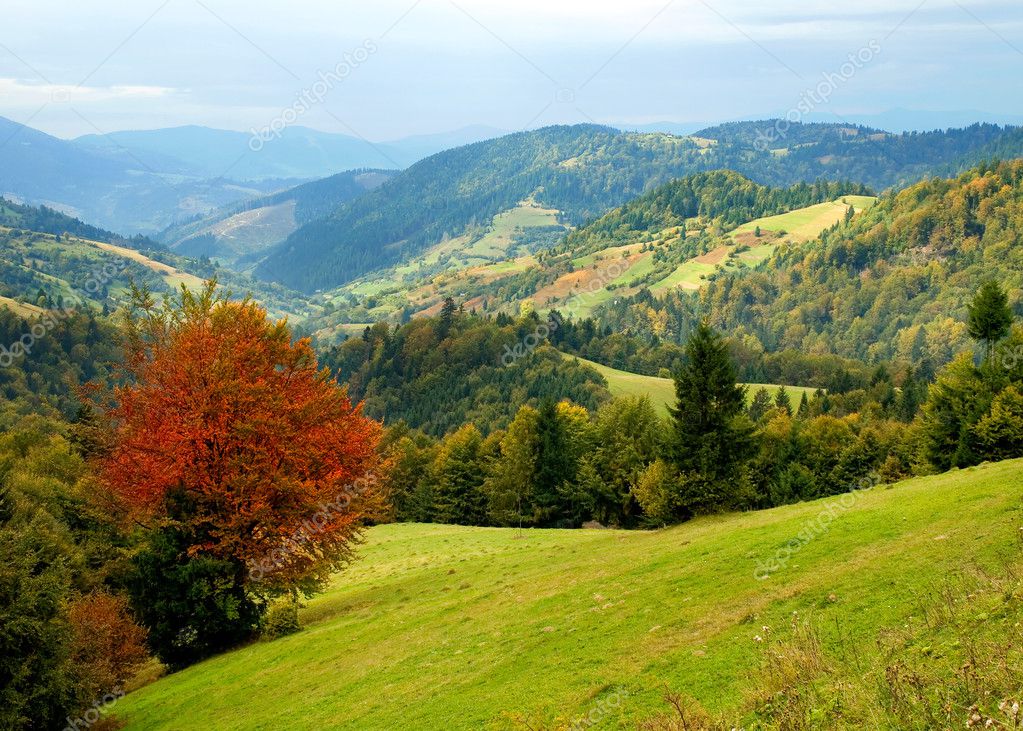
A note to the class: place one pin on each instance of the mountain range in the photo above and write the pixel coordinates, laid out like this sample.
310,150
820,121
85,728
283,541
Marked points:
144,181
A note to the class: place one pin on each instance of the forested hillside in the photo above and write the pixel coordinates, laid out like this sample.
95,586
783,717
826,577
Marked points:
712,202
439,374
676,235
585,170
838,151
581,171
244,230
52,262
48,220
892,283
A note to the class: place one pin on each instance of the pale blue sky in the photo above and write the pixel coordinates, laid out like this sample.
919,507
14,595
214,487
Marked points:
71,68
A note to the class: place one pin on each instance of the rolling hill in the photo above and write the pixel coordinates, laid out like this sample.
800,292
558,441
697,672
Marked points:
44,253
451,627
585,170
640,246
240,233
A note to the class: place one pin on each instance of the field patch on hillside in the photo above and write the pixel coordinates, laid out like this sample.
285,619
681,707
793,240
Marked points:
751,249
804,224
661,391
500,240
174,277
258,229
21,308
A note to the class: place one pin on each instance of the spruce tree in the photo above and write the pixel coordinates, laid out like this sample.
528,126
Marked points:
760,405
990,317
447,316
782,400
711,437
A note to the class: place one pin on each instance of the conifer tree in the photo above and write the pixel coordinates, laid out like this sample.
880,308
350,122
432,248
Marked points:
782,400
711,436
990,317
760,405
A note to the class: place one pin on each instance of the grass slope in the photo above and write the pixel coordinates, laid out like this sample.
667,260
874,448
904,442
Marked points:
174,277
807,223
452,627
21,308
662,390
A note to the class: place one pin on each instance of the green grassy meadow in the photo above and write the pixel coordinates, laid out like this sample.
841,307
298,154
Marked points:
807,223
662,390
470,628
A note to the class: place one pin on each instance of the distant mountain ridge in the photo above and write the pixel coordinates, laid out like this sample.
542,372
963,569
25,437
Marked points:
296,152
109,186
144,181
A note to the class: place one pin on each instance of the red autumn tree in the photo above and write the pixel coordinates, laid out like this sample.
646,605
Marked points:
227,427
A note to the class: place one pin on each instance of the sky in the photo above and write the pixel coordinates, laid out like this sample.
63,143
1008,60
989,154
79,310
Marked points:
385,69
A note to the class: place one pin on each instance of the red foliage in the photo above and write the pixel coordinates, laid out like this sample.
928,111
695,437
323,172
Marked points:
222,409
107,646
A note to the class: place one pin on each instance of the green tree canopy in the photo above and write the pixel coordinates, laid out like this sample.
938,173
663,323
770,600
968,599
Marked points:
990,317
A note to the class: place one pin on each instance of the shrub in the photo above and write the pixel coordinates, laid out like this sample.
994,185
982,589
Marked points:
281,619
107,646
656,491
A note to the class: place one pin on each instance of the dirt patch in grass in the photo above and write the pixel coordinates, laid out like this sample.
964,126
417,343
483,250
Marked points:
749,238
588,279
714,256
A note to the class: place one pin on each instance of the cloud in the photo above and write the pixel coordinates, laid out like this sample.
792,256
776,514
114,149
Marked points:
20,93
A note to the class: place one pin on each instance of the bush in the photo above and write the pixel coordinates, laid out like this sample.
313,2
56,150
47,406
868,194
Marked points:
193,606
281,619
107,646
